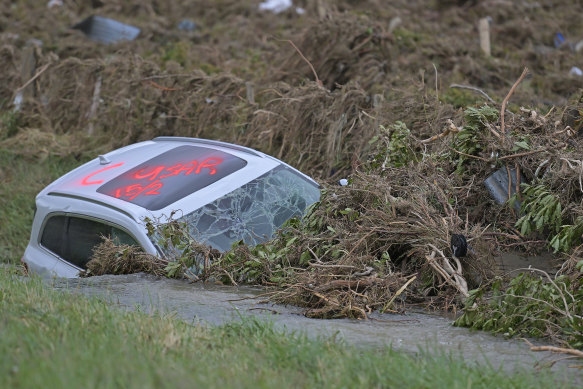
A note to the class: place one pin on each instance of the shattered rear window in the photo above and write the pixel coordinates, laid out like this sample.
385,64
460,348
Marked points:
255,211
172,176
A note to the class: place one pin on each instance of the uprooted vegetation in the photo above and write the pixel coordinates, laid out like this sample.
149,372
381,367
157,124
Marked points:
376,109
530,305
383,239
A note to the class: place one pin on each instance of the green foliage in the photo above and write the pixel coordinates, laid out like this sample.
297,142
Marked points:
541,209
568,237
394,147
459,98
529,306
470,140
186,256
256,265
9,124
521,144
542,212
176,51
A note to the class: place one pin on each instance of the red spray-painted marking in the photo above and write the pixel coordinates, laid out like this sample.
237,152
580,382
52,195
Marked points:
208,164
86,181
186,168
140,174
155,175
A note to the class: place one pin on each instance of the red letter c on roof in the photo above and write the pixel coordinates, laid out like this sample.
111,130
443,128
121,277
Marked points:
86,182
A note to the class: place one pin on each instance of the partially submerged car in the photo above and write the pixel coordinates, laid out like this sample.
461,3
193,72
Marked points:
224,192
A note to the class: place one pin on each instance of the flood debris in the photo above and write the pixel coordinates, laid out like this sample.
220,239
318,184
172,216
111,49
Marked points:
187,25
55,3
458,245
111,258
530,305
275,6
576,71
105,30
502,185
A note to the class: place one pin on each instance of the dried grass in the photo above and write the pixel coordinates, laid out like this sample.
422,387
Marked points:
109,258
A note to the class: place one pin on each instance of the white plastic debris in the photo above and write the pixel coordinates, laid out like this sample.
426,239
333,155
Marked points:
17,101
275,6
343,182
575,71
394,23
55,3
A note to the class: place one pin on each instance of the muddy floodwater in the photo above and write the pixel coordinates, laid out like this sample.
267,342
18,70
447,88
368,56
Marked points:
215,304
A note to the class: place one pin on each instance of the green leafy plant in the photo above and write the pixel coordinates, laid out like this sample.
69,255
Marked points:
394,147
469,139
541,210
186,257
529,306
568,237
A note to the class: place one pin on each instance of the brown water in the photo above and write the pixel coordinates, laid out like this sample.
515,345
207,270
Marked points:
214,304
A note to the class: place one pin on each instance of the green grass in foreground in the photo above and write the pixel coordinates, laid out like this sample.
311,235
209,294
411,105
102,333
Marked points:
52,339
22,178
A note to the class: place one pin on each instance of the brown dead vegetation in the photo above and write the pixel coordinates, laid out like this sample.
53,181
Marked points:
109,258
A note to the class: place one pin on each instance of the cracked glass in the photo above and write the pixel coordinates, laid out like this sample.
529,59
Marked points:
253,212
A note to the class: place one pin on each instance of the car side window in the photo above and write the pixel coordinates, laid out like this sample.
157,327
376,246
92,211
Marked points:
78,236
54,234
82,236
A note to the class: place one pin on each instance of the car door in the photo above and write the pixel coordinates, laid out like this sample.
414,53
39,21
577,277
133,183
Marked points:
73,237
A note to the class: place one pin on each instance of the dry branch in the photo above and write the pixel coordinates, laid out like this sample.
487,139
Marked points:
454,277
451,129
503,109
318,81
36,75
474,89
577,353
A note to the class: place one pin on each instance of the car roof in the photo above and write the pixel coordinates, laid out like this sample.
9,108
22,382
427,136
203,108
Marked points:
153,178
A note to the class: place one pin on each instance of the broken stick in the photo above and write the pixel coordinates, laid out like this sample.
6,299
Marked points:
503,109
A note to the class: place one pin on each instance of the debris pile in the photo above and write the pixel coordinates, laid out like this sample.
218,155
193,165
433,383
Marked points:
111,258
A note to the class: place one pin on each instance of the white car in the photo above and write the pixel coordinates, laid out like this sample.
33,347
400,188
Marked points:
224,192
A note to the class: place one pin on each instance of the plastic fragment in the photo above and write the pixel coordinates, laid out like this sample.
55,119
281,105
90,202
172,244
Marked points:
497,185
575,71
54,3
106,30
275,6
559,39
186,25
